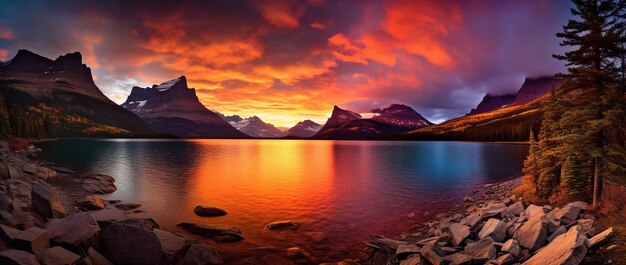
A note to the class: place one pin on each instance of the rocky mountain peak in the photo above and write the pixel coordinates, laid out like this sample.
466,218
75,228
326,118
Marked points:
70,60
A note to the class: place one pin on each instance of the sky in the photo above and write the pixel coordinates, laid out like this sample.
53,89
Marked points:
286,61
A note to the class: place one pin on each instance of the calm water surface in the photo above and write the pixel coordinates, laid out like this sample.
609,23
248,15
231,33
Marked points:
347,189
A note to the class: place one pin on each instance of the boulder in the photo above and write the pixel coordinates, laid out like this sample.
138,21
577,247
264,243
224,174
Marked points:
495,229
557,233
506,259
101,184
492,209
202,254
410,260
97,258
532,210
588,227
481,251
19,219
217,233
472,220
6,202
533,234
58,256
207,211
511,246
434,254
514,209
77,230
17,257
579,204
91,203
602,237
173,246
127,206
46,173
299,256
30,168
128,244
567,249
46,201
459,259
282,225
406,250
458,233
33,239
567,214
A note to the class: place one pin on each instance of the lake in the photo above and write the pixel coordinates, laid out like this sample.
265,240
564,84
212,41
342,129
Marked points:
345,189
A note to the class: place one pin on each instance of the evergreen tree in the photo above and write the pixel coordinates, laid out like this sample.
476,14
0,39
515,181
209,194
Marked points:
582,134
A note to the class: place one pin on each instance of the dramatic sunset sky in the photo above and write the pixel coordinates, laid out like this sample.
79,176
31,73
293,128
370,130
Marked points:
286,61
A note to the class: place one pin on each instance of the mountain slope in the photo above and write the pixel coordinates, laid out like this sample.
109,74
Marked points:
172,107
512,123
304,129
338,116
43,98
534,88
395,119
255,127
489,103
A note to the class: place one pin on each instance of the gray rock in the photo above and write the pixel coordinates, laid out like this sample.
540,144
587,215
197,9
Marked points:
405,250
128,244
512,229
91,203
30,168
77,230
511,246
46,201
281,225
602,237
410,260
173,246
458,233
17,257
556,233
58,256
567,214
579,204
533,234
514,209
567,249
493,228
481,251
217,233
97,258
588,227
202,254
207,211
472,220
492,209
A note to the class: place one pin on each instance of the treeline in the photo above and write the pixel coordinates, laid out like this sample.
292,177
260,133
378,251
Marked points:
583,131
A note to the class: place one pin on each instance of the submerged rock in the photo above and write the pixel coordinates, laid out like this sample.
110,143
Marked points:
101,184
207,211
127,206
280,225
217,233
91,203
202,254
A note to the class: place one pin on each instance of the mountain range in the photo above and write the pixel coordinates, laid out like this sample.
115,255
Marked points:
44,98
174,108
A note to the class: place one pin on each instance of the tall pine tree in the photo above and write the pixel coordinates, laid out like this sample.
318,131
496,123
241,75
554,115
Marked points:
582,134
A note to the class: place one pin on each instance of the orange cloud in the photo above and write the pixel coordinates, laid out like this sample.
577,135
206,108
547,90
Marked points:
4,55
282,13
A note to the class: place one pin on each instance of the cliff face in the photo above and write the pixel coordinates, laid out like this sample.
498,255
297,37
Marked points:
172,107
43,98
534,88
490,103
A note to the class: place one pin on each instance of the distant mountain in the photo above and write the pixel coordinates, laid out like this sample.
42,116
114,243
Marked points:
395,119
255,127
44,98
172,107
534,88
304,129
490,103
337,117
229,119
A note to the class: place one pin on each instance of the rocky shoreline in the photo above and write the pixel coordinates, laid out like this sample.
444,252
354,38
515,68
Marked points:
492,226
53,216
